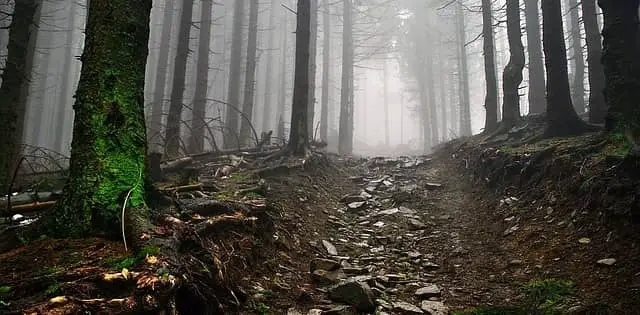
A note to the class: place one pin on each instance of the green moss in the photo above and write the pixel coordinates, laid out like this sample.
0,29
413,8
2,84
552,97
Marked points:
547,294
495,310
259,308
52,289
5,289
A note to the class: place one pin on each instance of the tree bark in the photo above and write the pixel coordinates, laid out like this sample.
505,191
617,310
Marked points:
174,119
267,119
491,97
233,93
157,108
298,136
561,116
67,80
14,87
345,143
512,75
537,102
597,106
465,108
313,44
108,152
620,61
431,94
250,74
283,80
198,126
326,59
578,58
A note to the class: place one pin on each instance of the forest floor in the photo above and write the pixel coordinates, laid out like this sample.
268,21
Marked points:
548,227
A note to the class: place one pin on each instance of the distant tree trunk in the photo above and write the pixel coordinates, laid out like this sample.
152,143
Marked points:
578,58
196,144
431,102
597,106
465,108
386,102
620,60
298,137
537,102
109,137
66,79
250,76
15,80
345,143
283,80
512,75
312,68
157,108
424,109
233,93
267,120
326,59
174,119
491,97
561,116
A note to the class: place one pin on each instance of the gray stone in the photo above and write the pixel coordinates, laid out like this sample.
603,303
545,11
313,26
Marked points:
314,311
354,293
428,291
607,261
352,198
330,248
433,186
389,211
328,277
407,308
414,255
325,264
340,310
434,308
356,205
416,224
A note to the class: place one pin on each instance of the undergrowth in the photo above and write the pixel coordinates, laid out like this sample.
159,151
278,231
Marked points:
126,262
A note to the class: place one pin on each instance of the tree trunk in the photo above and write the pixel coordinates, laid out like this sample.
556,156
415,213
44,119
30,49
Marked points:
233,93
491,97
431,102
14,87
108,152
250,75
578,58
465,109
424,107
620,60
313,44
597,106
537,102
283,80
267,120
66,81
298,137
326,59
157,108
198,126
561,116
345,143
174,119
386,102
512,75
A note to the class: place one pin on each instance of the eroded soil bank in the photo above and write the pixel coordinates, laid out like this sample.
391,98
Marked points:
467,227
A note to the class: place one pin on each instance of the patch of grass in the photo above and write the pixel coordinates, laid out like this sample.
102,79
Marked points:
260,308
5,289
617,146
53,289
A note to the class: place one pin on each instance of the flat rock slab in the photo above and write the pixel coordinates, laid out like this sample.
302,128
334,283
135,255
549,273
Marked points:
428,291
434,308
355,293
330,248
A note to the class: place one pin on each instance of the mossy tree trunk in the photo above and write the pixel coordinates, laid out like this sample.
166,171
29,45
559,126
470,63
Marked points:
561,116
109,136
620,60
298,137
13,95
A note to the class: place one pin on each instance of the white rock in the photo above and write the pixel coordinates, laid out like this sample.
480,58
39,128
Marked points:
330,248
434,308
379,224
584,240
607,261
428,291
17,218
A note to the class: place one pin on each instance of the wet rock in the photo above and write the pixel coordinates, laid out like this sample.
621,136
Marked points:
354,293
356,205
330,248
428,291
606,262
584,240
416,224
433,186
324,264
407,308
414,255
352,198
328,277
434,308
379,224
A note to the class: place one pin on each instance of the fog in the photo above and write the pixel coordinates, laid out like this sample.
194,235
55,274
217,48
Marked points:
417,64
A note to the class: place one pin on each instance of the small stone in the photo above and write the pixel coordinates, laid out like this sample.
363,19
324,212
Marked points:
606,261
434,308
515,262
330,248
430,265
352,198
324,264
414,255
389,211
356,205
379,224
428,291
314,311
328,277
407,308
417,224
584,240
433,186
511,230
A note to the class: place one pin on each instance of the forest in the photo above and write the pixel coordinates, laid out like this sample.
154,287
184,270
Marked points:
320,157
